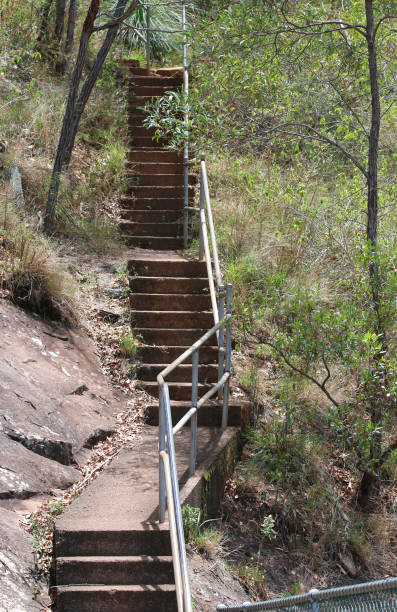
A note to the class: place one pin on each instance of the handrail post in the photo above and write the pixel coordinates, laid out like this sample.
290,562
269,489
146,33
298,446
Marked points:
225,412
162,447
221,338
202,200
193,421
148,38
177,505
186,149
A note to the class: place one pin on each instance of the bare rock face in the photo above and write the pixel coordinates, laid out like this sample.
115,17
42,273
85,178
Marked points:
54,406
17,584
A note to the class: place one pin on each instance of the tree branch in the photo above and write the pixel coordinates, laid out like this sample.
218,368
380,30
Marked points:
119,20
320,137
300,371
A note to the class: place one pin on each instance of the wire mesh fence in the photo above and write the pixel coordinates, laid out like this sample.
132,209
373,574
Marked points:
379,596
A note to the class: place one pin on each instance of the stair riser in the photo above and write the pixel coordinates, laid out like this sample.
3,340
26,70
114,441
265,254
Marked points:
158,267
173,337
153,216
172,320
112,601
177,394
112,543
182,374
162,180
148,90
166,355
160,192
169,157
150,301
158,244
167,285
135,81
114,572
155,168
154,204
208,416
151,229
146,142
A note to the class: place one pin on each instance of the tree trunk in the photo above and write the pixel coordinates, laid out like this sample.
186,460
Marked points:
369,489
76,103
60,20
73,8
44,27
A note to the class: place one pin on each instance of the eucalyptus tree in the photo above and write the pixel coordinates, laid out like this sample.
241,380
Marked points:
96,21
321,76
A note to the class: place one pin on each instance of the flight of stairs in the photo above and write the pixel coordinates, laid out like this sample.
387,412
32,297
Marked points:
111,553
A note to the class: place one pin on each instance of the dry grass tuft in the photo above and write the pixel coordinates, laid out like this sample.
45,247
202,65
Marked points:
30,274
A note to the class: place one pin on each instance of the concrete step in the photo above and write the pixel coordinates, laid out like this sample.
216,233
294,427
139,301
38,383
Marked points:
172,301
154,266
179,391
102,570
168,285
158,192
140,101
137,129
154,80
153,203
150,229
183,373
162,156
161,180
153,242
143,89
98,541
166,319
146,142
152,216
209,415
167,354
124,598
150,167
173,337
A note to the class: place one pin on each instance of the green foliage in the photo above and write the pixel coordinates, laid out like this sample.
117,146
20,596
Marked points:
191,518
267,527
129,345
165,21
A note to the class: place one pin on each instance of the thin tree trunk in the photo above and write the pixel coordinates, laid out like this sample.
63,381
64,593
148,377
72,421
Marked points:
60,20
66,125
76,103
73,8
369,488
43,36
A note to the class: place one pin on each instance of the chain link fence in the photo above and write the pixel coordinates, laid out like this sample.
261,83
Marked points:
368,597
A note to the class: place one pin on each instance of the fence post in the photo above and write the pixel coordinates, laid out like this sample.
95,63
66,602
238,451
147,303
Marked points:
148,38
202,199
186,149
225,412
193,420
162,446
315,606
221,338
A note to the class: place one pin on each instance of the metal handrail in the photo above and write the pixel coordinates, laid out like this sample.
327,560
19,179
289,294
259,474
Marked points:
168,478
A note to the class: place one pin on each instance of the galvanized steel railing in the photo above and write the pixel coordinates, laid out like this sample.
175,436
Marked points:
380,595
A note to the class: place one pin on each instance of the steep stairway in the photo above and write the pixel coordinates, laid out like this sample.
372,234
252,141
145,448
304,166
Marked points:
111,552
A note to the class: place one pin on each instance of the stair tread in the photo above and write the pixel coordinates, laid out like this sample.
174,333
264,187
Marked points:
115,558
116,587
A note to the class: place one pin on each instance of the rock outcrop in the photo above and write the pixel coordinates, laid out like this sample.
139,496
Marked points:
54,406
